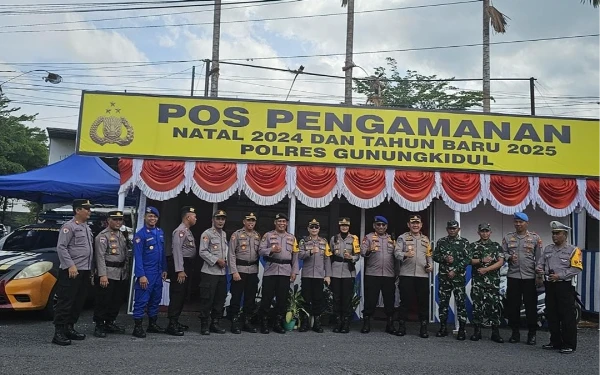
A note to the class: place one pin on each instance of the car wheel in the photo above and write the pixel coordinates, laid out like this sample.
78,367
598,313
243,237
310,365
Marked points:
577,312
48,312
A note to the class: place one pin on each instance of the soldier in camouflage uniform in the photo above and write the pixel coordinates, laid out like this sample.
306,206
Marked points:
452,253
486,259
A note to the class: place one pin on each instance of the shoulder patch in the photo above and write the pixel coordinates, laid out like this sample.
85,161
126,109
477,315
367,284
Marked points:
102,240
65,230
137,240
181,233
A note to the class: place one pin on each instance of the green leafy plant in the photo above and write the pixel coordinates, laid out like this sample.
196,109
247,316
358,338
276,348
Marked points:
295,302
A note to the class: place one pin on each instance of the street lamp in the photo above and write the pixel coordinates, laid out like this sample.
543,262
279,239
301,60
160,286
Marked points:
51,77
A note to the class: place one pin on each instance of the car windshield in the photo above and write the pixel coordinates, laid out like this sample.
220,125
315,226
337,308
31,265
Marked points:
29,239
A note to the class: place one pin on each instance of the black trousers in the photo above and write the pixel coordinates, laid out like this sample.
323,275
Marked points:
71,294
109,300
278,287
312,293
521,291
373,286
247,286
213,292
411,287
343,292
178,292
560,305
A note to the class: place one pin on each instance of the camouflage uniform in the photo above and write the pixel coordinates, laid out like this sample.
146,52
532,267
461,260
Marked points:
485,289
457,247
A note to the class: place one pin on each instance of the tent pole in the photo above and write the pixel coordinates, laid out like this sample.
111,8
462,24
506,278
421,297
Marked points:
121,204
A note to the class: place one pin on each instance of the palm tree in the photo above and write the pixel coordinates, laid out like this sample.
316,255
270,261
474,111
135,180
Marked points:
594,3
498,21
348,65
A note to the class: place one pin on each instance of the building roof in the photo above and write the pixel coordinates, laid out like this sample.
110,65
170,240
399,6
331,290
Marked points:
60,133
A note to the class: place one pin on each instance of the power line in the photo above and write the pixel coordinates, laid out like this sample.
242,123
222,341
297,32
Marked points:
244,21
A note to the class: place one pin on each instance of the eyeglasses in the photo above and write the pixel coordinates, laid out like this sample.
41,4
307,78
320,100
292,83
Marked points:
313,227
380,224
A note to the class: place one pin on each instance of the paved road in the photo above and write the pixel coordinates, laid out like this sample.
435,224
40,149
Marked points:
25,349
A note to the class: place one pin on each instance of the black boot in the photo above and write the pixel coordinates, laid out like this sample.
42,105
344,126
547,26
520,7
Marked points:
215,327
264,325
304,323
277,326
204,330
138,329
182,327
496,335
100,330
423,333
173,328
111,327
339,322
476,336
247,326
317,324
59,336
515,337
531,337
366,328
401,328
153,327
236,324
390,327
345,325
72,334
443,332
462,335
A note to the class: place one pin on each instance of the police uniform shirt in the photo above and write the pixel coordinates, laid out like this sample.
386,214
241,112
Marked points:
565,261
74,246
289,251
317,265
380,262
340,246
528,248
415,265
213,246
243,246
183,245
149,252
111,246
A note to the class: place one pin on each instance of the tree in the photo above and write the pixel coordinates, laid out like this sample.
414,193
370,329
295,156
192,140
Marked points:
22,147
498,21
388,88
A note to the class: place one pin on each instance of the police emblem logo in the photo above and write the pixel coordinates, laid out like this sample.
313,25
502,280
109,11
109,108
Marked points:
215,246
151,247
114,251
337,252
102,240
111,127
243,247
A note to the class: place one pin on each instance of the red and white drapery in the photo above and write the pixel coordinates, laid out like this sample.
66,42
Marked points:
316,186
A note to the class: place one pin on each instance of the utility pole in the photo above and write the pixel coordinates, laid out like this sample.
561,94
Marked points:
193,80
486,56
532,95
214,82
206,77
349,64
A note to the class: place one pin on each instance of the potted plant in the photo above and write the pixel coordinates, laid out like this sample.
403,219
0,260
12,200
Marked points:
295,308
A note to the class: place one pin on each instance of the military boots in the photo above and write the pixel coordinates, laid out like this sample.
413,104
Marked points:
111,327
339,323
182,327
72,334
153,327
401,328
215,326
204,330
366,328
59,336
443,332
531,337
317,325
345,325
278,327
236,324
247,327
496,335
173,328
100,330
476,336
389,327
304,323
138,329
264,325
423,331
462,335
515,337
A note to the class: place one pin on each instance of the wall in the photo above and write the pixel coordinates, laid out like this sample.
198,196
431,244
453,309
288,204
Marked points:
60,149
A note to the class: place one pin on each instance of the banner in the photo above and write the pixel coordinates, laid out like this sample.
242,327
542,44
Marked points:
169,127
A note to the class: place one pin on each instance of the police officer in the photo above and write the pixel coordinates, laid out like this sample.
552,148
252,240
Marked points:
76,255
213,282
243,266
522,249
316,268
149,272
413,250
487,257
378,250
346,252
280,251
452,254
179,266
559,263
111,253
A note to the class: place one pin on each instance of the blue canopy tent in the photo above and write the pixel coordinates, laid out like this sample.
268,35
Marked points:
75,177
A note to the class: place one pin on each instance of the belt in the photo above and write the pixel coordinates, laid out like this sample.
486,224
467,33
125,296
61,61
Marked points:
241,262
115,264
278,261
337,258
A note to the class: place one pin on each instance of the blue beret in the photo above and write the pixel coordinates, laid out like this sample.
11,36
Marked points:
380,219
152,210
521,216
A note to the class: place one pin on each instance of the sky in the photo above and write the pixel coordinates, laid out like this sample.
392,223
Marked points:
153,51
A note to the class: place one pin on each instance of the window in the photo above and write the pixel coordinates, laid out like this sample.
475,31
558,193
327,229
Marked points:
30,239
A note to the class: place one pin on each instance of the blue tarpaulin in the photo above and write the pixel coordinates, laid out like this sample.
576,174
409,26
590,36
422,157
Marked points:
75,177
